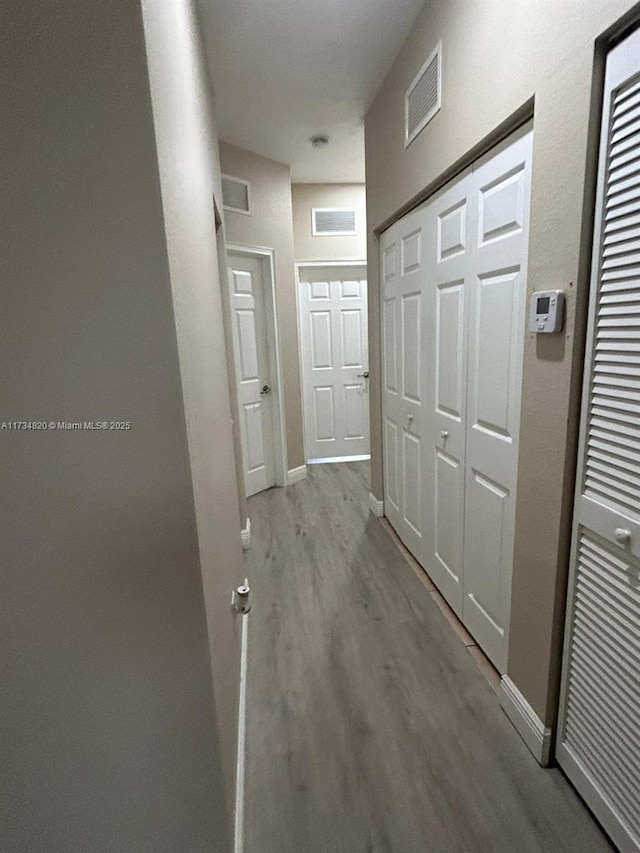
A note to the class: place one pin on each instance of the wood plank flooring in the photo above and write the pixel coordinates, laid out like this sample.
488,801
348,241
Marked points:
370,727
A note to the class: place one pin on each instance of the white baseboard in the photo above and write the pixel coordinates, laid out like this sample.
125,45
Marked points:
363,458
242,741
376,506
296,474
245,536
527,723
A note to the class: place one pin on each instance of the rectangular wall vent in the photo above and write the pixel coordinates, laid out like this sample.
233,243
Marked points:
235,195
422,98
333,222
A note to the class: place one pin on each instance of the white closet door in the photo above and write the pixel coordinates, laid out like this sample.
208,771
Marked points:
334,344
252,372
453,298
450,223
497,294
402,273
599,737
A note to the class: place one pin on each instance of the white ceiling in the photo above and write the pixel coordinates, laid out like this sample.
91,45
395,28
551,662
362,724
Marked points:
285,70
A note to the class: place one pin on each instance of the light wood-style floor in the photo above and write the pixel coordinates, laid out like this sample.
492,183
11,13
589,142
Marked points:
371,728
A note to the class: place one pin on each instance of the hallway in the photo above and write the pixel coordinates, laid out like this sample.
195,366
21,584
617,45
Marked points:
370,727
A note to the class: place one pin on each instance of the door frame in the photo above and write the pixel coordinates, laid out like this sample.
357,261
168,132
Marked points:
299,265
266,257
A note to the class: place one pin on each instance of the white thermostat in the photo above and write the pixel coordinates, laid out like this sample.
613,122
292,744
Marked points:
546,311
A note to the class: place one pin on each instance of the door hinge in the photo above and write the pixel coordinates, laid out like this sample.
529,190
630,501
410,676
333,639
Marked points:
240,598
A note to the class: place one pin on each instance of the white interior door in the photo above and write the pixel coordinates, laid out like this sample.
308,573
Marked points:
334,346
402,265
599,737
254,381
453,295
449,219
501,190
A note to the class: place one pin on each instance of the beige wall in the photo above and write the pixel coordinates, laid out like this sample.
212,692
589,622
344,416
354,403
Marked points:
271,226
188,157
310,248
109,719
498,57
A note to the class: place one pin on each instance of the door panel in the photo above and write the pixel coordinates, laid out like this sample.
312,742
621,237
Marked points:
411,479
449,220
599,740
402,313
448,498
391,468
390,345
449,319
497,290
410,336
321,343
252,371
334,347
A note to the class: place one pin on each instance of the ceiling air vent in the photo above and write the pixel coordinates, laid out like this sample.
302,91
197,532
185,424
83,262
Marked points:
332,222
422,98
235,194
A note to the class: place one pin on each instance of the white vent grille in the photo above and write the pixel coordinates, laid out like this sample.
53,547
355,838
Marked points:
333,221
422,98
604,692
235,194
612,465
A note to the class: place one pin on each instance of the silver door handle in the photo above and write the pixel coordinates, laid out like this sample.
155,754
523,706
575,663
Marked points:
409,418
623,536
364,375
445,433
265,390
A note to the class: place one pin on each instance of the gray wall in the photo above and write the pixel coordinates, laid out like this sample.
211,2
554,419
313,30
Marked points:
109,722
498,57
190,180
309,248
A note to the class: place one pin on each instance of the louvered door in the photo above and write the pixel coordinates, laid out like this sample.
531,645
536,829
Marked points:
599,737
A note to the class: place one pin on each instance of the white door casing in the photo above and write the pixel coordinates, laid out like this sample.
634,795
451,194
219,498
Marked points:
253,371
598,742
469,289
332,306
402,250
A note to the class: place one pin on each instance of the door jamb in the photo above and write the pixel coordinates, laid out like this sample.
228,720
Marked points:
266,256
299,265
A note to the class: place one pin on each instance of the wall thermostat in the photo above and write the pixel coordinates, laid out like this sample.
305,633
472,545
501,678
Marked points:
546,313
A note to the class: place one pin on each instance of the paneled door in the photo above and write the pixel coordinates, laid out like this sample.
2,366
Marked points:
332,305
449,220
402,253
253,378
500,191
453,290
599,737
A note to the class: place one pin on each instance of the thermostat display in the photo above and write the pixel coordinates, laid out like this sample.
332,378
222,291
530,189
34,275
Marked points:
546,313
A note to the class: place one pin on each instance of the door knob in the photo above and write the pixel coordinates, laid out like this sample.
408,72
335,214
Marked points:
409,418
265,390
364,375
623,536
445,433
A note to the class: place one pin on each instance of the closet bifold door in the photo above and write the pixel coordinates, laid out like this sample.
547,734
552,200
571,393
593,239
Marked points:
402,250
450,225
599,735
500,193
